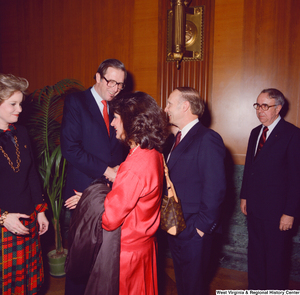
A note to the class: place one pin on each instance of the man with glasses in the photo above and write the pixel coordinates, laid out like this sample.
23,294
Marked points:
270,194
88,142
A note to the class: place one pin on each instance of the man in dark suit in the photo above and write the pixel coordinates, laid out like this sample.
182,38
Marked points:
270,194
196,168
88,142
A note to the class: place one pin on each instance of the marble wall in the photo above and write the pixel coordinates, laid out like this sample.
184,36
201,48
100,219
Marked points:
234,239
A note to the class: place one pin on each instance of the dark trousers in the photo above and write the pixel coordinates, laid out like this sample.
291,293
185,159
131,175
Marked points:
74,287
191,258
268,253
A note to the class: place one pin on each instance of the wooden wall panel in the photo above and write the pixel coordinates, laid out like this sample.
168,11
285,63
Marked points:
227,118
271,50
194,73
145,46
256,46
46,41
248,45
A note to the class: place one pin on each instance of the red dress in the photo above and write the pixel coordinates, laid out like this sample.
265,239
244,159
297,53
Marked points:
134,203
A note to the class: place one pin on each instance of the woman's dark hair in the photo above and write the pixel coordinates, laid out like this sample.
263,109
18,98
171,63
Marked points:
144,122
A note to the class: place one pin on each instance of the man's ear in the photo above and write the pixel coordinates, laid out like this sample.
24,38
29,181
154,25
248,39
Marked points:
185,105
98,77
278,109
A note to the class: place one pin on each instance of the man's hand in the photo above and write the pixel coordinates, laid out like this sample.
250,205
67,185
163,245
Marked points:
286,222
111,173
116,168
243,206
72,202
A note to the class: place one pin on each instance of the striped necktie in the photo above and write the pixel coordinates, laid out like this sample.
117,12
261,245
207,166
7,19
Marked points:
262,140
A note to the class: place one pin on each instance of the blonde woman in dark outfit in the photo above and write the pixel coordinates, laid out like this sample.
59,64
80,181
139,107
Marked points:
22,217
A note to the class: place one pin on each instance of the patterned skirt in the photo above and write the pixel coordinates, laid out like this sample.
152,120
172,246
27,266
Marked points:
21,259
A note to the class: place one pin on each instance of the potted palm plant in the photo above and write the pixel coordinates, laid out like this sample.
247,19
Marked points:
46,110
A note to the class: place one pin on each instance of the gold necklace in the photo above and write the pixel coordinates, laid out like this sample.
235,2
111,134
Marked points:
18,161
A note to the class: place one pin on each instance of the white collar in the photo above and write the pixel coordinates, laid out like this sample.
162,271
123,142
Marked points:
188,127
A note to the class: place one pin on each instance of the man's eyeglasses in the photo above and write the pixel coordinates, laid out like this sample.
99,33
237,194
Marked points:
113,83
263,106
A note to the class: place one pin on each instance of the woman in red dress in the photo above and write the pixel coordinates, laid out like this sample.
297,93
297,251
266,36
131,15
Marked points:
135,200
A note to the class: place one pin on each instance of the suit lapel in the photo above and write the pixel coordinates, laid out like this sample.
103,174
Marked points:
253,141
94,110
183,145
111,129
272,139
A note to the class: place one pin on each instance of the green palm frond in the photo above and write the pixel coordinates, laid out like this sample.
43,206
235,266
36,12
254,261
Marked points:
47,110
44,128
60,89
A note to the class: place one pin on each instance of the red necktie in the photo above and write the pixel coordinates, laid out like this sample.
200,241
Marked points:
262,140
105,115
177,140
